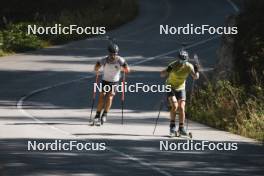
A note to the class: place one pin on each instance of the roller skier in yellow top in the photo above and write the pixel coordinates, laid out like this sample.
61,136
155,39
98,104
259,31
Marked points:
177,72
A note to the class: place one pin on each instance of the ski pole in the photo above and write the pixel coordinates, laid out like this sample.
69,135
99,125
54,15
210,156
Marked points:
187,119
196,60
94,94
123,96
161,106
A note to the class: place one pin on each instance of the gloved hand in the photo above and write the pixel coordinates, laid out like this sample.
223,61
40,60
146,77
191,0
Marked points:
126,69
196,68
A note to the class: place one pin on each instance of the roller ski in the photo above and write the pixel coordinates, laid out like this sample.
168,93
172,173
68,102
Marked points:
182,133
172,131
103,118
96,120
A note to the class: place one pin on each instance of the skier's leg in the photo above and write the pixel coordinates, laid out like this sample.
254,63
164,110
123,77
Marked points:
174,106
181,96
182,130
100,102
109,100
108,104
181,104
173,110
99,108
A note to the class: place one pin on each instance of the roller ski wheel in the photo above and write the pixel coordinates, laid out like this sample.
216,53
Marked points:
96,122
177,134
103,120
172,132
182,133
91,122
172,135
190,135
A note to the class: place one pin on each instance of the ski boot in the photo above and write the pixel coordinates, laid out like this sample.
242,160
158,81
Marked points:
182,131
172,130
103,118
96,120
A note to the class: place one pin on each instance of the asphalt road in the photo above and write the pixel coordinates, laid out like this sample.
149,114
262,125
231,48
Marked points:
46,95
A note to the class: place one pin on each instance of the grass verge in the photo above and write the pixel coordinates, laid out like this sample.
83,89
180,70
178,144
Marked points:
236,104
228,107
16,15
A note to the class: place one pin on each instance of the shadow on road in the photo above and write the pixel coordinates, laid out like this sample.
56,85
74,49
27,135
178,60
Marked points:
75,95
16,160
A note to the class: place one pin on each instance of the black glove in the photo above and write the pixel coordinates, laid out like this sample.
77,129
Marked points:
196,68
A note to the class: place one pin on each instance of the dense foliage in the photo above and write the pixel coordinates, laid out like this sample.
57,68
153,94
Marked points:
237,104
16,15
249,44
228,107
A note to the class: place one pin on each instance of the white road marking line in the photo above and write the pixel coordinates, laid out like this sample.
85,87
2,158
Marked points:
130,157
142,162
168,11
176,50
20,102
25,113
235,7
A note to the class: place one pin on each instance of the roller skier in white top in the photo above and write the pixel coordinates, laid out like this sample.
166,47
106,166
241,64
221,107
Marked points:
112,66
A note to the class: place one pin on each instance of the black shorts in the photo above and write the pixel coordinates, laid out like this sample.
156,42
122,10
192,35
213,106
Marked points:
109,86
179,94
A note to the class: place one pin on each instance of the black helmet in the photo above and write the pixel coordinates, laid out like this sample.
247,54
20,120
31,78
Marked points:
183,55
113,48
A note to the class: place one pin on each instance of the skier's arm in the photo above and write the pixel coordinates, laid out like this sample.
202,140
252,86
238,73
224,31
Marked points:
97,66
196,75
165,73
126,68
195,71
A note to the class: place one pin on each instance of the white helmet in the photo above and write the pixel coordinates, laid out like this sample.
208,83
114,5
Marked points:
183,55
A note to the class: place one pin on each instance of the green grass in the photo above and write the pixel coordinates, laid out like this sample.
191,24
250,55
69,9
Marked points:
18,14
228,107
15,39
238,107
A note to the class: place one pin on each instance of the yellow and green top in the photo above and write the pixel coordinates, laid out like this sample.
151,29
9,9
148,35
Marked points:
178,74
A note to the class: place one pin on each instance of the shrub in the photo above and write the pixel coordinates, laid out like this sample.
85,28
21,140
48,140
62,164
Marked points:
16,39
108,13
228,107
